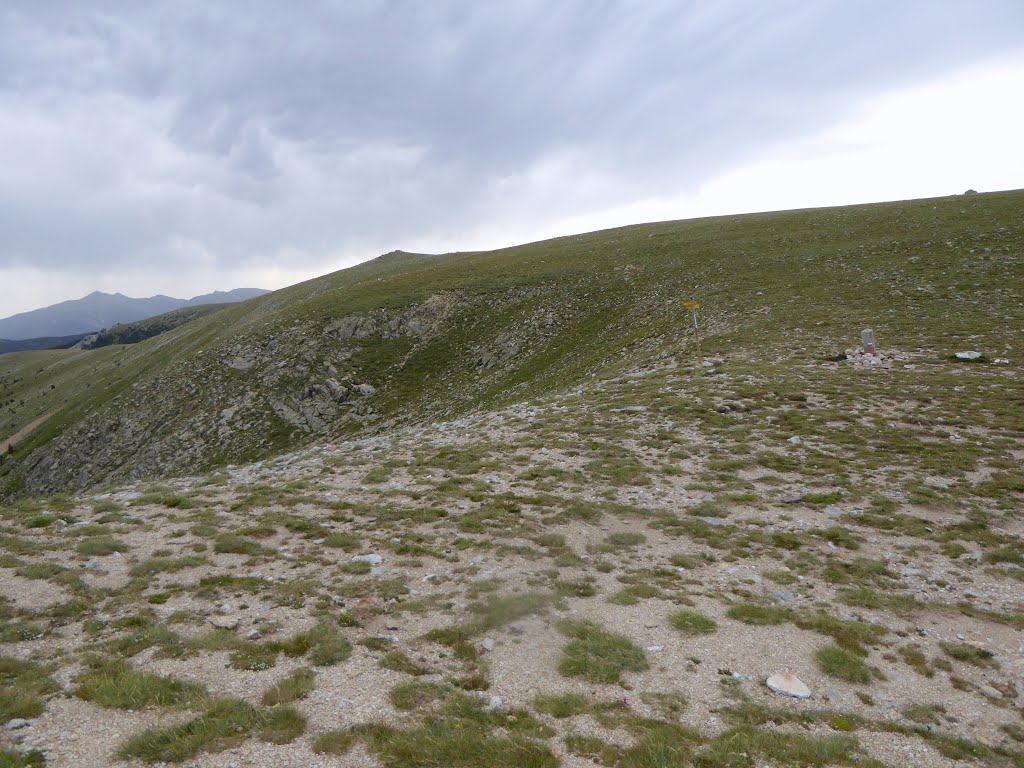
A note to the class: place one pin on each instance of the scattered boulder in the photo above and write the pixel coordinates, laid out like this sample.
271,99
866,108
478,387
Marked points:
494,705
372,559
224,622
968,355
789,685
990,693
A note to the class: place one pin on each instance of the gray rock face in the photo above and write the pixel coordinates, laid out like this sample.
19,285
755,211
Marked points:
418,321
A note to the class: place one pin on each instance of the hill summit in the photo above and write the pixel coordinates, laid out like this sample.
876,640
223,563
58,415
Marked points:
492,510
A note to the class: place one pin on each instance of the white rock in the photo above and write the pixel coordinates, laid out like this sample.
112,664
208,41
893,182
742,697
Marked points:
371,559
17,723
487,644
789,685
969,355
224,622
494,705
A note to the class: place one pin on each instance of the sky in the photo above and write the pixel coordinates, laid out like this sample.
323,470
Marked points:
183,147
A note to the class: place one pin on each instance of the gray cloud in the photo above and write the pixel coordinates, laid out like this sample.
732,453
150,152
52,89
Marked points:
182,133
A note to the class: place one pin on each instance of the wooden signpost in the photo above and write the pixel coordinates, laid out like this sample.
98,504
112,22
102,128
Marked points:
693,305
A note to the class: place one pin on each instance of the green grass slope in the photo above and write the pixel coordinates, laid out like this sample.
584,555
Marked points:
407,337
140,330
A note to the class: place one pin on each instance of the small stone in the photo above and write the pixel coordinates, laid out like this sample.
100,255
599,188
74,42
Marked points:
969,355
224,622
789,685
487,644
494,705
17,723
378,572
373,559
794,440
783,597
990,693
655,648
254,634
517,628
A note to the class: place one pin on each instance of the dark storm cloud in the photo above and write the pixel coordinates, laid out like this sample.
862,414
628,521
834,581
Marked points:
232,133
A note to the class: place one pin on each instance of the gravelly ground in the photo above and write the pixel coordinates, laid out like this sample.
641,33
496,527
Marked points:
619,504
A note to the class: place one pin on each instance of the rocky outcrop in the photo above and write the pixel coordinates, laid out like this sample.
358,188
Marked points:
253,394
419,321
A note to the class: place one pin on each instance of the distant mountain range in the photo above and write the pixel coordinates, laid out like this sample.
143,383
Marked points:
101,310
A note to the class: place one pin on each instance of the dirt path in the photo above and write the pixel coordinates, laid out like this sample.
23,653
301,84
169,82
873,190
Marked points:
24,432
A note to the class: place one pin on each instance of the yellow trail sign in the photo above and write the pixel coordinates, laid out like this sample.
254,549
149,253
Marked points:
694,305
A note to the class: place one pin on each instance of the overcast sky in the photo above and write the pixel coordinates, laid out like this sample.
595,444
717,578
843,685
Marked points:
183,147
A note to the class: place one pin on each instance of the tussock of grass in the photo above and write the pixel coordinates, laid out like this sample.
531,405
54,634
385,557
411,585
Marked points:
496,612
736,748
9,758
916,660
155,565
344,541
970,654
226,723
760,615
416,695
114,684
669,705
400,662
846,665
660,745
692,623
298,685
101,546
445,744
23,684
597,655
233,544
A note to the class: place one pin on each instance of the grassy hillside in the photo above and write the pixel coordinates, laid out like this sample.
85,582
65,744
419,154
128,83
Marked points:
140,330
407,338
46,342
528,523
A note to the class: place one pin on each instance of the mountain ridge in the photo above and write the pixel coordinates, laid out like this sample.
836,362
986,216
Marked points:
402,341
98,310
